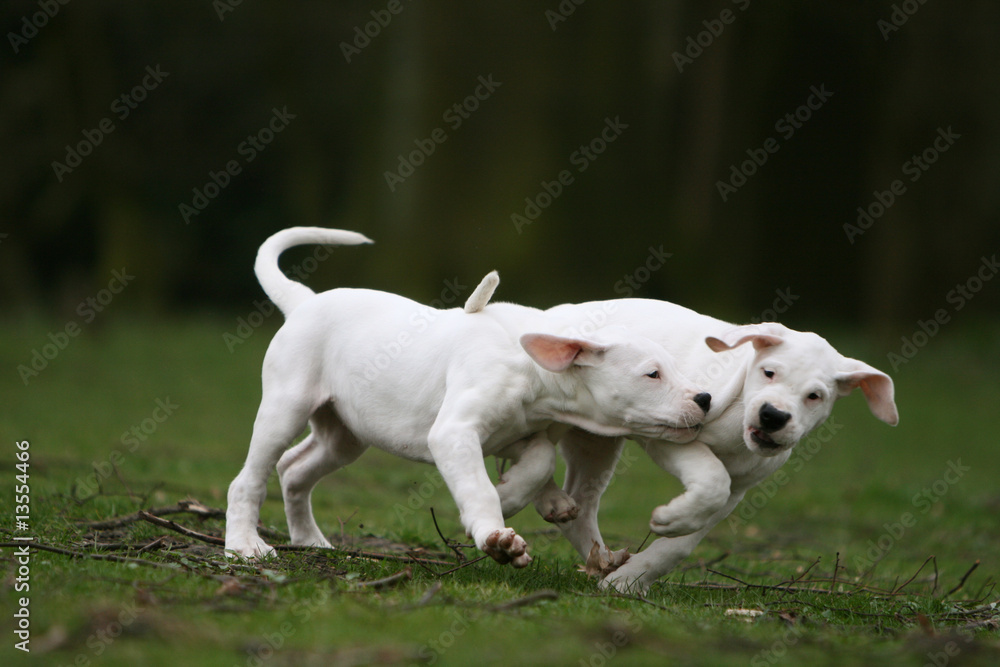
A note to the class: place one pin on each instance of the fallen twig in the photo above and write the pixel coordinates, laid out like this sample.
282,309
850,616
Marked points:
964,577
448,543
184,506
905,583
82,554
465,564
176,527
391,580
537,596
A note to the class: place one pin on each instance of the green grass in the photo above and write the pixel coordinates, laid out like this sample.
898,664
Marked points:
848,497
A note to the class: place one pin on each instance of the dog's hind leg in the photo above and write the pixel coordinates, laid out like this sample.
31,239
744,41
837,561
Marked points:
329,447
534,463
590,466
280,417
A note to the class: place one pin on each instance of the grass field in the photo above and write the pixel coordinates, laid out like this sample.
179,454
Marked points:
836,551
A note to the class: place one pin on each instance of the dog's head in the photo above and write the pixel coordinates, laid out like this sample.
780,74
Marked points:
792,382
621,384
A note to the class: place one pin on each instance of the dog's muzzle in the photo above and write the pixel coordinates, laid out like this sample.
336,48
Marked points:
771,420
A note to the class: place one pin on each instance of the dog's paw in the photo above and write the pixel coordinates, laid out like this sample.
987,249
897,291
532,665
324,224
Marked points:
625,580
506,546
559,509
673,521
556,506
315,540
249,548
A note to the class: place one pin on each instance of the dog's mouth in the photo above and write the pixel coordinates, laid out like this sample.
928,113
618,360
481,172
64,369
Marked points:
764,441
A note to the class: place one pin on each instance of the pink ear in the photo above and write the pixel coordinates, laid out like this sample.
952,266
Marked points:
556,354
874,384
760,335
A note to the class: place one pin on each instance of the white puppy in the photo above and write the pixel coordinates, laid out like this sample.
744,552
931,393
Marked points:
367,368
770,387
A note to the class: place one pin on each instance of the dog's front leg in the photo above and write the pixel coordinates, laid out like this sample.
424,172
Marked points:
458,454
706,483
660,557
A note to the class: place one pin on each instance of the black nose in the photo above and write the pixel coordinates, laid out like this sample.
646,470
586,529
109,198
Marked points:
703,401
772,419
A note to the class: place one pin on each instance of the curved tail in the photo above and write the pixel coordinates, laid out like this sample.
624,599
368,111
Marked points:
283,291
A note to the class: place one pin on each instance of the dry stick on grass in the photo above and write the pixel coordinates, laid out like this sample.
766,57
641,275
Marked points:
218,541
374,555
962,582
391,580
451,544
82,554
537,596
906,583
771,587
176,527
465,564
183,507
343,523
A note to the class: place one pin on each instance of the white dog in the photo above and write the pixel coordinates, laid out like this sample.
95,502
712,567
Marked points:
770,387
367,368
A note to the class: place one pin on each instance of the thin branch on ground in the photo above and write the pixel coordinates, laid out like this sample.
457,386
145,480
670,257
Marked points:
405,574
451,544
905,583
176,527
537,596
962,582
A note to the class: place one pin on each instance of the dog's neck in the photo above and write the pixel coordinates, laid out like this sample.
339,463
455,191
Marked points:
564,398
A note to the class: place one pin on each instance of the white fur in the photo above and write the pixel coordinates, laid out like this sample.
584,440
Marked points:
370,369
732,453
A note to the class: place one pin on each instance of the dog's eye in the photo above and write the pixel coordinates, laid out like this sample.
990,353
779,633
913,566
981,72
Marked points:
653,374
813,396
768,374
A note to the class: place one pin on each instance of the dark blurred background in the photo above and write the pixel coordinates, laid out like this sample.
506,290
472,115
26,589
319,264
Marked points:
688,91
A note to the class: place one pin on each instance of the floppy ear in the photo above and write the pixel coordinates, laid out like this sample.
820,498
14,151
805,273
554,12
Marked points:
556,354
876,386
761,335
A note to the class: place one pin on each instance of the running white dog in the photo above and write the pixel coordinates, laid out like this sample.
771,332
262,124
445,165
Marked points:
770,387
367,368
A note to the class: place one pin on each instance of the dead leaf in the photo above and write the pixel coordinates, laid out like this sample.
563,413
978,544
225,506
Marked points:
602,561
